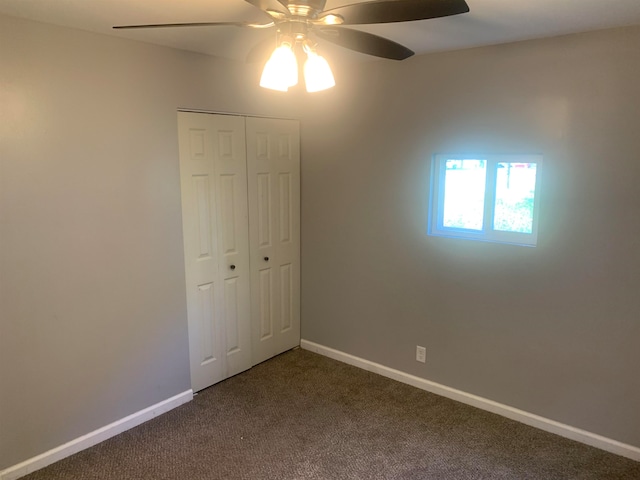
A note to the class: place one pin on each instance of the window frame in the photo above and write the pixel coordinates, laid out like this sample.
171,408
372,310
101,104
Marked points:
487,234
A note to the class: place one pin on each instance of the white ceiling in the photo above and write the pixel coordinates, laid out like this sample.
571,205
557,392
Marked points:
489,22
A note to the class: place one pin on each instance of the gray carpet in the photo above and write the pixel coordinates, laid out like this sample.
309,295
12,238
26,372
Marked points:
304,416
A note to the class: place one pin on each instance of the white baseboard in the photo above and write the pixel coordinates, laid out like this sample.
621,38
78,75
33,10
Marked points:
521,416
95,437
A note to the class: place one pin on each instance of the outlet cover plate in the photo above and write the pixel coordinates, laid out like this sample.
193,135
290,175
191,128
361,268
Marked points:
421,354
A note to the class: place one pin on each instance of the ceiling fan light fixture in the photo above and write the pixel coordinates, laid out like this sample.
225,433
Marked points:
294,20
317,73
281,70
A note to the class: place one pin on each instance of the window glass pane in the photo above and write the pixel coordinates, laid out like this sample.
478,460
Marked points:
464,184
515,190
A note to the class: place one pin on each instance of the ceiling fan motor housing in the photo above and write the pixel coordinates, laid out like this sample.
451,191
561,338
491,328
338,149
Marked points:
295,30
306,8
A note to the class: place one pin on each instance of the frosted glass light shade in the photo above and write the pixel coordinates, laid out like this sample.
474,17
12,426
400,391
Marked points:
281,70
317,73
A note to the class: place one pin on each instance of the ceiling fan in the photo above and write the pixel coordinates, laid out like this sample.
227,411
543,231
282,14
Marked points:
298,22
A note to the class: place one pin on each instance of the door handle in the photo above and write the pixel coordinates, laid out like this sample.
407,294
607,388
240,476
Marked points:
266,259
232,267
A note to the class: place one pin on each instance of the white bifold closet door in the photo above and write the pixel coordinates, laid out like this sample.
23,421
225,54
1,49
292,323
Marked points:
273,154
241,245
213,172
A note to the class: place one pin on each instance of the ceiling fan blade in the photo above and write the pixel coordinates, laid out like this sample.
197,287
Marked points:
197,24
389,11
364,42
275,5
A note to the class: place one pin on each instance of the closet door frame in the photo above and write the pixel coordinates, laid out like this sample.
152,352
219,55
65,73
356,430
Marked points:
240,191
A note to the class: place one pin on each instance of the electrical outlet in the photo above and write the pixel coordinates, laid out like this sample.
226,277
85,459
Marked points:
421,354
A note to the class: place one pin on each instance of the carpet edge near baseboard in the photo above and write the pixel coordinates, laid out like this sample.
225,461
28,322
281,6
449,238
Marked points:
531,419
93,438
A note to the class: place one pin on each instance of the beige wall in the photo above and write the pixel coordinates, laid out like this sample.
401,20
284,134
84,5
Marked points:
552,330
92,311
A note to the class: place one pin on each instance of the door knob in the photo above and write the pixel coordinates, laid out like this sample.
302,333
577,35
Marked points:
266,259
232,267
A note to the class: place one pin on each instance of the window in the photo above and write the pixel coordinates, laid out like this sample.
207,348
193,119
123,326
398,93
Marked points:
492,198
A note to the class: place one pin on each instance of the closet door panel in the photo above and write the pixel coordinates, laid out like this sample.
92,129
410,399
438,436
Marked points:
273,162
233,239
215,232
199,218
